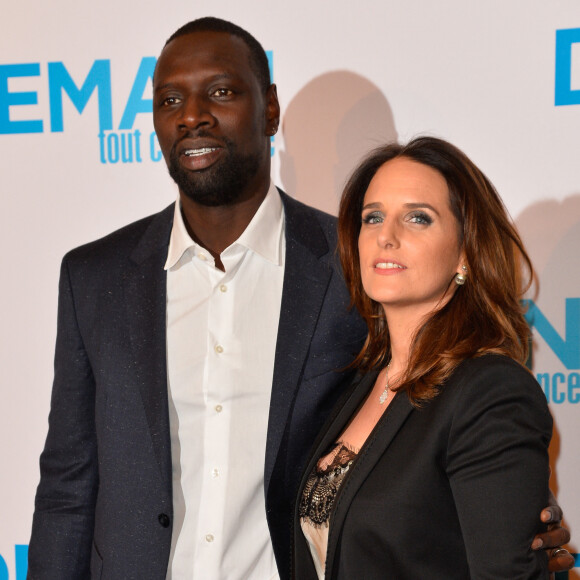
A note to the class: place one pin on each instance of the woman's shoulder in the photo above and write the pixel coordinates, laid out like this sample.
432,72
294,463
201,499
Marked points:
492,366
494,378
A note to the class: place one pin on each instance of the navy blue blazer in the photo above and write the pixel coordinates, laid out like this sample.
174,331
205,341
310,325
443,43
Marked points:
451,490
104,503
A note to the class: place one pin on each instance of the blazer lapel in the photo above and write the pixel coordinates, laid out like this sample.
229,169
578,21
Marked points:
335,424
145,302
306,281
378,441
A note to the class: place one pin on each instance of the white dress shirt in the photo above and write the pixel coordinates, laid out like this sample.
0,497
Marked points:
221,341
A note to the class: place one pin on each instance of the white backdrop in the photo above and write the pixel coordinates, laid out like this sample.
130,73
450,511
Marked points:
350,75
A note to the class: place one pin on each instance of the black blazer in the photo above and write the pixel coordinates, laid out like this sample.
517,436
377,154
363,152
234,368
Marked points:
104,503
449,491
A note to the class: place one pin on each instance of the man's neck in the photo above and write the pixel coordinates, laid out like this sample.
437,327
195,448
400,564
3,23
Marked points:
217,228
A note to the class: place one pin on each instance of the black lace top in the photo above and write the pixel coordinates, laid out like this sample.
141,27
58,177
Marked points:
323,484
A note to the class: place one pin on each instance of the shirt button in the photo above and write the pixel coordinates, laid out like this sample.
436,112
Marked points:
209,538
215,473
219,348
218,408
202,256
223,288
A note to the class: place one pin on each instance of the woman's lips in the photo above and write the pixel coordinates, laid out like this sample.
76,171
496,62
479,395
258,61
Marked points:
388,267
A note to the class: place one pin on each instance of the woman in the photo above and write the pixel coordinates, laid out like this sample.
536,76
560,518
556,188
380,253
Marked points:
434,465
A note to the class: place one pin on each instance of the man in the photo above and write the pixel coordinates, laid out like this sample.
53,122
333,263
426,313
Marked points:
192,345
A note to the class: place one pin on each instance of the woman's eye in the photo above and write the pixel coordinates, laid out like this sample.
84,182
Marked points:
374,217
421,218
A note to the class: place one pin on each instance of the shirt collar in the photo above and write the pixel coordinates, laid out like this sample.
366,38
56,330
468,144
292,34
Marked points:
263,235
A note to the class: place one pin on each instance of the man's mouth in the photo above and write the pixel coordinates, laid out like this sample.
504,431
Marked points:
200,151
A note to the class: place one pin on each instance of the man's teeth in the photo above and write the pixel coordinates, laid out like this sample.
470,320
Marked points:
387,265
196,152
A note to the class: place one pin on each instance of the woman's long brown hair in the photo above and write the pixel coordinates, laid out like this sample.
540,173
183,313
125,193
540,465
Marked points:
483,316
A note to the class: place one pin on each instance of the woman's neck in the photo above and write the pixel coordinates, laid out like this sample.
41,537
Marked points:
402,328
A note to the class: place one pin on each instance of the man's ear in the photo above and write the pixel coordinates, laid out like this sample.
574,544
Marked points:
272,111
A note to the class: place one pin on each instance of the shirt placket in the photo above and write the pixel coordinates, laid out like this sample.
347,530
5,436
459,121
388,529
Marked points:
218,398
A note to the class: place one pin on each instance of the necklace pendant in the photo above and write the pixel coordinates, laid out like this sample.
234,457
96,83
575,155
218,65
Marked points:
385,393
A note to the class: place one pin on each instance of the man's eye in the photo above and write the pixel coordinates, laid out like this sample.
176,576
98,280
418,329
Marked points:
223,93
167,101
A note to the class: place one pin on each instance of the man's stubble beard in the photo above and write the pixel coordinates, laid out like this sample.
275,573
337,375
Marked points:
223,183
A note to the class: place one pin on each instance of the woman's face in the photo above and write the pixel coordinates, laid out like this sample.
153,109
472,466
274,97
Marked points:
408,243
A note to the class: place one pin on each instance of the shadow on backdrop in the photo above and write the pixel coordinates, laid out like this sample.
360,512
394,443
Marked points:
550,230
328,127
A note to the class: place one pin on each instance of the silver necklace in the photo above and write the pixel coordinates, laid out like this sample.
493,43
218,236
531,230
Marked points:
385,393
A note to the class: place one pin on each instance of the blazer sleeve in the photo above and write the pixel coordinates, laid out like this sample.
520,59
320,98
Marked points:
63,523
497,463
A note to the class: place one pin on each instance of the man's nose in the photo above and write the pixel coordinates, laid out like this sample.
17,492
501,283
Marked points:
196,113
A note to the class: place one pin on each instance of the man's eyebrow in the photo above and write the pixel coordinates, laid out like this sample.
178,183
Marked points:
211,79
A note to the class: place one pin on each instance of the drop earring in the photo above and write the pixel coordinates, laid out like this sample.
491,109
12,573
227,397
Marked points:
461,277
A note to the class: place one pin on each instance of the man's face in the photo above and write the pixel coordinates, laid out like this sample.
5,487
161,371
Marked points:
213,121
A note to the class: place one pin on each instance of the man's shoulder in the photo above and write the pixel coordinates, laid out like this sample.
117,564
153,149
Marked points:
310,226
153,229
297,207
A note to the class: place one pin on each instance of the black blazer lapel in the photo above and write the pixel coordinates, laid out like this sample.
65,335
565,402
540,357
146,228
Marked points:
342,413
302,565
306,281
381,437
145,300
